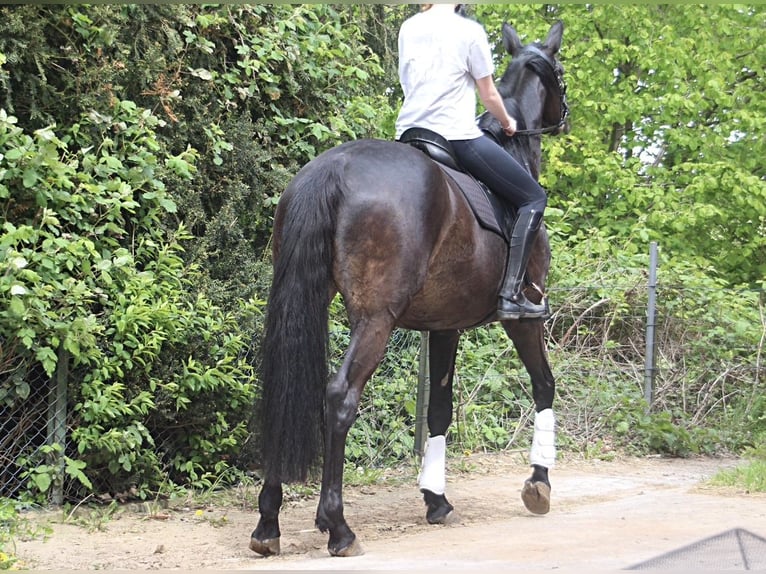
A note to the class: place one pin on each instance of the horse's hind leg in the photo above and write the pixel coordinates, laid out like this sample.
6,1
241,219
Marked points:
527,337
368,344
432,480
265,538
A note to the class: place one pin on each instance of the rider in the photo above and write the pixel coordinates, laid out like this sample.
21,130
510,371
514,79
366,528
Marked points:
443,59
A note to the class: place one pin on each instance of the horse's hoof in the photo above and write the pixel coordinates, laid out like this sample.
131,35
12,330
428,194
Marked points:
268,547
536,497
443,518
353,549
439,510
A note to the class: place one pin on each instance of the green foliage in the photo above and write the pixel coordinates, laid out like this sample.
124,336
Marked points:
663,433
43,475
129,131
9,524
667,117
706,386
89,270
491,391
750,476
14,526
258,90
361,475
93,518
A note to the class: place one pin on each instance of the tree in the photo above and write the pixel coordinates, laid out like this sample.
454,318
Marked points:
666,131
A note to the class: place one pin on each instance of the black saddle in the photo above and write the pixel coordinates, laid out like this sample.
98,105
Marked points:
433,145
491,212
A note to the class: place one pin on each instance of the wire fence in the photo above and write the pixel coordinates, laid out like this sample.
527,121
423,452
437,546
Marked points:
32,415
597,339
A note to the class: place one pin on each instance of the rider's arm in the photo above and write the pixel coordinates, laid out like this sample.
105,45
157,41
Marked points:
493,101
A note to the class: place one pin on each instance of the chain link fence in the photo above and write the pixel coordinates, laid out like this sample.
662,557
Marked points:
32,415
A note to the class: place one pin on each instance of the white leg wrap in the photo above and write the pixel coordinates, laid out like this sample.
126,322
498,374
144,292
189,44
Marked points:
543,450
432,472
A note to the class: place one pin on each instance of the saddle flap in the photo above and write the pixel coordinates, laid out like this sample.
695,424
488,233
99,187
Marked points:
492,213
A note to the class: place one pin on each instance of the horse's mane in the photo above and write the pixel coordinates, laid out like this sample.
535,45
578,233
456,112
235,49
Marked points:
533,59
530,57
545,71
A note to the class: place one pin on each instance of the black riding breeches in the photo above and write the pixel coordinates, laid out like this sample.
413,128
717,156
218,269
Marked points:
498,170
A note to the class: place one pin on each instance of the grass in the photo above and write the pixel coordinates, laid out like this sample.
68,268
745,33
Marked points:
14,526
750,477
91,518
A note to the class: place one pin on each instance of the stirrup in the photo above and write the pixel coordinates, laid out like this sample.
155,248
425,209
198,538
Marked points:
508,309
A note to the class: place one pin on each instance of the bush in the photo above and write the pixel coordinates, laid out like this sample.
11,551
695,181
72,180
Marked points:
91,275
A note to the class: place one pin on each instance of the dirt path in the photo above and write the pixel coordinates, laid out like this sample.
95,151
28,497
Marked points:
604,515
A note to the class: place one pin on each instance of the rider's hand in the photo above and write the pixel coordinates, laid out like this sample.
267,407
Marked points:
510,127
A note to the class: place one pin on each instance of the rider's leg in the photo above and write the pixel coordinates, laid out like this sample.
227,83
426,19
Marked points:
512,303
499,171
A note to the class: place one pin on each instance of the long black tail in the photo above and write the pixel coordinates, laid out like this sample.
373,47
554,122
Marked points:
294,367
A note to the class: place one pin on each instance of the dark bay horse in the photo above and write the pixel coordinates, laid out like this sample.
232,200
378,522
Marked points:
381,224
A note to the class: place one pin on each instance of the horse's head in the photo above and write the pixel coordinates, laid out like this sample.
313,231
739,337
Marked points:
533,86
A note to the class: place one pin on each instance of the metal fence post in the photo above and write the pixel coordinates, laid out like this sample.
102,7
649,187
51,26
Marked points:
649,365
424,387
57,413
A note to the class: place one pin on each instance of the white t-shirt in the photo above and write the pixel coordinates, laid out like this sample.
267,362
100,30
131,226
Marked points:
440,54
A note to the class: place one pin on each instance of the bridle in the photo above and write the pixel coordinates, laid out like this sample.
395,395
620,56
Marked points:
558,74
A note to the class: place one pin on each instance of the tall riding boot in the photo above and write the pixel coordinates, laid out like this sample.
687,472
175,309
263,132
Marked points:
512,303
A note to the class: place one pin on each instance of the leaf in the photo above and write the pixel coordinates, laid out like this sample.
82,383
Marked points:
14,154
17,306
22,390
74,468
168,204
19,262
48,358
201,73
29,178
42,481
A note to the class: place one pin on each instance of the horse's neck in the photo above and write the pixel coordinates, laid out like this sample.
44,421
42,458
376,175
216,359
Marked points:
525,148
527,151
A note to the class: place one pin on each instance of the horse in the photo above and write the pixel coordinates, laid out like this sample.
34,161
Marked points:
380,223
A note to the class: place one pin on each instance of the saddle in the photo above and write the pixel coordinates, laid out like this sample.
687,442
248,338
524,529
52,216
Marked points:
491,212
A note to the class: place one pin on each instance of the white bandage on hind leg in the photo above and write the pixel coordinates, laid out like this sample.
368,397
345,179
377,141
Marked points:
543,450
432,471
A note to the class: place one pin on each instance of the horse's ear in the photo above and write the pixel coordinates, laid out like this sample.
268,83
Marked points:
553,41
511,40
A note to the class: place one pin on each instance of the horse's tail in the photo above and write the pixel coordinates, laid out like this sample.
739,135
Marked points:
294,352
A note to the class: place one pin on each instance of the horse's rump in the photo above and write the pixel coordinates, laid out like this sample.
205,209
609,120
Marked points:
398,211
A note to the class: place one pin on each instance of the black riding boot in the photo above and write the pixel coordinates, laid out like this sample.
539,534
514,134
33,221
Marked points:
512,303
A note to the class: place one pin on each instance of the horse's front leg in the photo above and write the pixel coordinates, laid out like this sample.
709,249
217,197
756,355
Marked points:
265,538
536,493
432,480
368,344
527,337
